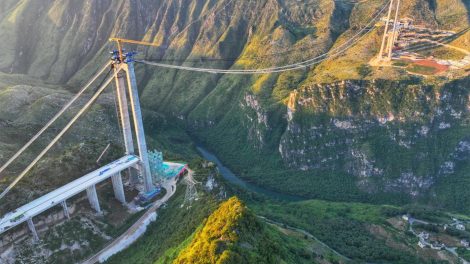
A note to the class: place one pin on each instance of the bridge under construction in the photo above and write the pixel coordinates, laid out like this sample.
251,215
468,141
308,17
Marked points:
135,161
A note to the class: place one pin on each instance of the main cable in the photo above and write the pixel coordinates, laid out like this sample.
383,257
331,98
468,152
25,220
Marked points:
274,54
59,114
56,139
343,47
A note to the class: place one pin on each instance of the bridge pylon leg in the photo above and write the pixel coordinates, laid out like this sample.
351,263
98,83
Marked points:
384,39
121,96
118,188
139,127
93,198
66,209
33,229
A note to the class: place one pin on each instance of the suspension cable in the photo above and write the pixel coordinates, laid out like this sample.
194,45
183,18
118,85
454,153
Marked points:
56,139
59,114
274,54
338,50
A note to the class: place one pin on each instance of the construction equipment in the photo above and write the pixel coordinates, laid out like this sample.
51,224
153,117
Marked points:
120,50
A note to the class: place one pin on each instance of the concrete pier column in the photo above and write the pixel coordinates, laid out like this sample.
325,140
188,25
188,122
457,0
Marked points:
118,187
33,229
139,126
93,198
66,209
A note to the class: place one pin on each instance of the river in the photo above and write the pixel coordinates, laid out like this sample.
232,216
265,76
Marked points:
234,179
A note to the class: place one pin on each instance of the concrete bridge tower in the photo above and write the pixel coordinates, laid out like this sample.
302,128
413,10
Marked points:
390,36
124,65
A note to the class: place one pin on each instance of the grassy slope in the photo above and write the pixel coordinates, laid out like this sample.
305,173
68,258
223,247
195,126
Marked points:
232,234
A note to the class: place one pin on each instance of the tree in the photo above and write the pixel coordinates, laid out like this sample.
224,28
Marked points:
364,70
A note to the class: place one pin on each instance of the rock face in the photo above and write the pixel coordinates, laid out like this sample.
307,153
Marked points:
388,135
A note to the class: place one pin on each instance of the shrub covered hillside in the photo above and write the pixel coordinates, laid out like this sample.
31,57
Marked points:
233,234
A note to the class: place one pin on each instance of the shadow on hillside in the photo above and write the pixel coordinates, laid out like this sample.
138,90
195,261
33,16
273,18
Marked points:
446,40
467,6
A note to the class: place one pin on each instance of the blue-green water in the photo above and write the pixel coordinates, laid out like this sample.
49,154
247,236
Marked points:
233,179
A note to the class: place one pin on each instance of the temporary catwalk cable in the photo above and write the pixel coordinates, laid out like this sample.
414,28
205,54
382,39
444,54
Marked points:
59,114
300,65
62,132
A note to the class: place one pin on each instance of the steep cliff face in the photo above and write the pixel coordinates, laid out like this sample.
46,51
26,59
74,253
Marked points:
393,141
390,136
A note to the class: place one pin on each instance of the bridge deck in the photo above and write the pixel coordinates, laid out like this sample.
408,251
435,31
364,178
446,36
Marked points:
55,197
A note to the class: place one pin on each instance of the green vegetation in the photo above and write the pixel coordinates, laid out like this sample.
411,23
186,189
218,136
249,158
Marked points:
172,253
374,141
364,70
349,228
419,69
458,233
400,63
175,224
68,242
443,53
395,147
232,234
464,253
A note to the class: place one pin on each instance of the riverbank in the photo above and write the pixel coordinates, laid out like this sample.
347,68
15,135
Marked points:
232,178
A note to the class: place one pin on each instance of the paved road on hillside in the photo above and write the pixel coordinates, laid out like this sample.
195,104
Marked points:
170,187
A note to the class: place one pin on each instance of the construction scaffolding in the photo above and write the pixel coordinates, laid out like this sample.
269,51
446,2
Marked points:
162,170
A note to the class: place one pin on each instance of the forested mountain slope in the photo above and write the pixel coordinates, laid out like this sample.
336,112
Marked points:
317,132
